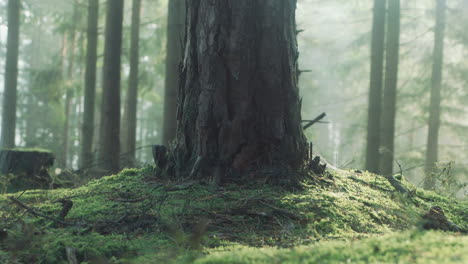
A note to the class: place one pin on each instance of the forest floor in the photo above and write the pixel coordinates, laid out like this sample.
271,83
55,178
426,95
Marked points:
346,216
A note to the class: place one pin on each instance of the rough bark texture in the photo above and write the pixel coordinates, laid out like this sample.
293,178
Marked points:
436,83
375,91
391,82
239,107
130,116
175,38
109,136
11,76
90,85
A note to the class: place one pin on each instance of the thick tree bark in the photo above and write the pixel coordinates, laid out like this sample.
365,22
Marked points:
90,85
11,76
390,90
239,107
130,116
436,83
375,91
109,136
175,37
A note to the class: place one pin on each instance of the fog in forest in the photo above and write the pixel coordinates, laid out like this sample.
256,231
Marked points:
233,131
335,49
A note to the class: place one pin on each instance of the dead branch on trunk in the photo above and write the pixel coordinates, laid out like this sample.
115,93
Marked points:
313,121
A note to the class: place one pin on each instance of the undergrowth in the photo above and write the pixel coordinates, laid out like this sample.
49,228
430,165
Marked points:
133,217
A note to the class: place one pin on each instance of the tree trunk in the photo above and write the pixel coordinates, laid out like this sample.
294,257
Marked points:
434,110
130,121
109,136
391,82
375,91
90,85
239,107
11,76
32,123
69,88
175,37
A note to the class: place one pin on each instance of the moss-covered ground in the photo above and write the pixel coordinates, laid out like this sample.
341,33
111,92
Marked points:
132,217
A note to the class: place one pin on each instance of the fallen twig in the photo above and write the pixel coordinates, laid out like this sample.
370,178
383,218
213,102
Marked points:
34,212
66,206
396,184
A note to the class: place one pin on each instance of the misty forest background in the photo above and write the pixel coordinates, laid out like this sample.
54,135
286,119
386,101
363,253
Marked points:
335,60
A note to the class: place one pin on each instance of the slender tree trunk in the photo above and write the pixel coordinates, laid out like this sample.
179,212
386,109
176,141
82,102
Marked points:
434,110
130,121
69,92
239,108
390,90
375,91
109,136
141,137
32,124
90,85
175,37
11,76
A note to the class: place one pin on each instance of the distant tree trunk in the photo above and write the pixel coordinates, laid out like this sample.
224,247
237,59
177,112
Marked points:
175,38
130,115
90,85
34,64
109,136
434,110
11,76
239,107
375,91
390,90
69,92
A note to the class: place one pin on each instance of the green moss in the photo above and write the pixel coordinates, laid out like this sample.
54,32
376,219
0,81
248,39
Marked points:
406,247
133,217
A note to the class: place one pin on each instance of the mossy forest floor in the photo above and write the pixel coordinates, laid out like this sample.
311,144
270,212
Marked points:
132,217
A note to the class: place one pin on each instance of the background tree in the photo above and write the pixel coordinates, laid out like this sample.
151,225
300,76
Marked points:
68,55
11,76
109,138
436,83
90,84
375,91
130,115
175,38
239,106
390,88
336,49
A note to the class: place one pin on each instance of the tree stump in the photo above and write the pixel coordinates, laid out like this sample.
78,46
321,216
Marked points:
29,167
